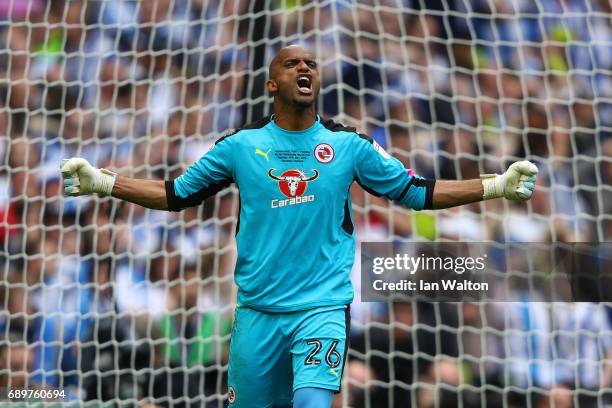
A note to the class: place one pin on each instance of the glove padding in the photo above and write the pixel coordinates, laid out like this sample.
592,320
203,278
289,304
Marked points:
81,178
515,184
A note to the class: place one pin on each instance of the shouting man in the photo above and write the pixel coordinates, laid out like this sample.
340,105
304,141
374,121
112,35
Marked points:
294,170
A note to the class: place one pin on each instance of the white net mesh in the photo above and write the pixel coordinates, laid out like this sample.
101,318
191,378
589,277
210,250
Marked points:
117,304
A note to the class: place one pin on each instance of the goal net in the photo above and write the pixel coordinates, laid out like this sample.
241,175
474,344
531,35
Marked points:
105,302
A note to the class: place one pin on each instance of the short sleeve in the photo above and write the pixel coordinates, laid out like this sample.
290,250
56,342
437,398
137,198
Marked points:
383,175
211,173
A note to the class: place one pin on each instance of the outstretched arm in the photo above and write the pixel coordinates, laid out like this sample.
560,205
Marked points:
204,178
516,184
382,174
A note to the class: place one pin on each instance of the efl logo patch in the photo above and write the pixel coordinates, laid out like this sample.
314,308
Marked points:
324,153
231,395
381,151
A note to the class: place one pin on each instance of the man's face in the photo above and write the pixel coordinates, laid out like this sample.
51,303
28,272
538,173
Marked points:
294,77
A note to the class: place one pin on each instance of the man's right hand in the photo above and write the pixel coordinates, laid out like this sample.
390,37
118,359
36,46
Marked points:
81,178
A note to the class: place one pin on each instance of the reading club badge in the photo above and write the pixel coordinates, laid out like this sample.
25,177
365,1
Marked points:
324,153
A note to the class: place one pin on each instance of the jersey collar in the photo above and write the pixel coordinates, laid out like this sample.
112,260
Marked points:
313,128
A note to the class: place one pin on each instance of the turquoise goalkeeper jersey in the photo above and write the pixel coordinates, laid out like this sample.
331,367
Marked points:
295,234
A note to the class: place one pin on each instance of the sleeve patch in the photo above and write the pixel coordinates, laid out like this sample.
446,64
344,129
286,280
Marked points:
381,151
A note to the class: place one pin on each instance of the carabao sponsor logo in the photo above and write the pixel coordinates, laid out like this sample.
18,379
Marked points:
293,184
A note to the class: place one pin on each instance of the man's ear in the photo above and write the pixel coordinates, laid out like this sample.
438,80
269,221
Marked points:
272,86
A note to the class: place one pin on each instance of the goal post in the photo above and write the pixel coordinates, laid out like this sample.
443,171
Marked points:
109,302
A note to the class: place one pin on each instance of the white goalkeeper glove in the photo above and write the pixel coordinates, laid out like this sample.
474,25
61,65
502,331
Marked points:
515,184
81,178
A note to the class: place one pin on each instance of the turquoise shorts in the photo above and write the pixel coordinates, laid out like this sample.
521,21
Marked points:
274,354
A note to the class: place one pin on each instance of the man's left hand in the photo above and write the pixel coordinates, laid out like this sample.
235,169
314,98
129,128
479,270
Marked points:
516,184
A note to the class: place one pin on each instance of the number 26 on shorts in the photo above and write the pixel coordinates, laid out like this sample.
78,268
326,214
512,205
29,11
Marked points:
332,357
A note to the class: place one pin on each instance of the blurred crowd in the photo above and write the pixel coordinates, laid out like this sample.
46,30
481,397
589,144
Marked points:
110,301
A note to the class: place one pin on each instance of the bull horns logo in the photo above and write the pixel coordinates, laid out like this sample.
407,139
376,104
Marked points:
292,183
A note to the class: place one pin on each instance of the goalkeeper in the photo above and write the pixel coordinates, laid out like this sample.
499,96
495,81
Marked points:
295,233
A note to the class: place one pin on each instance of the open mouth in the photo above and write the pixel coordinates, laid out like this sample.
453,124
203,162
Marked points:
304,84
